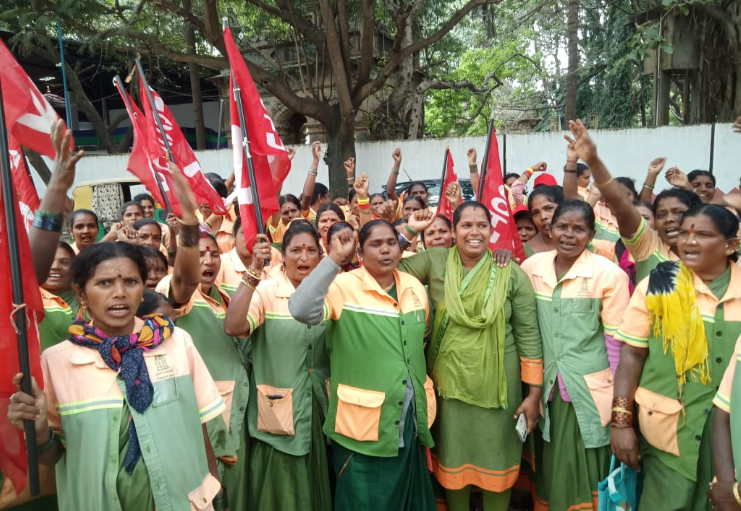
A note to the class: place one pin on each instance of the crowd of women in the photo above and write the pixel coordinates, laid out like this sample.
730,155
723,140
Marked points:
368,354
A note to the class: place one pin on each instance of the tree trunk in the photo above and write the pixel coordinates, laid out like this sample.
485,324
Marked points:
195,82
340,147
572,81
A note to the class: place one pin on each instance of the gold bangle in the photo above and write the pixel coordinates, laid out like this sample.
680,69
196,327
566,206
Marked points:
735,493
248,284
195,224
600,185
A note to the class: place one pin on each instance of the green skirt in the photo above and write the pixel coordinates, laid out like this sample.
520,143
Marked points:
372,483
667,489
479,446
567,474
234,478
280,481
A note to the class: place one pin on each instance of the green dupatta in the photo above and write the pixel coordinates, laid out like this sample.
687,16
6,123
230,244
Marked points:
466,357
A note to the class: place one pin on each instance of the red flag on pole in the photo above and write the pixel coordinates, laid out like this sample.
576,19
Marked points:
444,207
269,157
28,115
13,461
140,162
182,153
494,197
28,198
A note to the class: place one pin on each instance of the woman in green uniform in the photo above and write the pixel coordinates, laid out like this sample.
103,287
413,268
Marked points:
484,345
201,305
123,412
288,396
60,300
679,333
649,247
377,318
581,299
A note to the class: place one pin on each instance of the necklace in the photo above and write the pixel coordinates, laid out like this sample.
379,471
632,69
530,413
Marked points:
545,249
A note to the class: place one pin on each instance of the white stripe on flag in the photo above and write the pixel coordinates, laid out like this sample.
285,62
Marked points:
244,195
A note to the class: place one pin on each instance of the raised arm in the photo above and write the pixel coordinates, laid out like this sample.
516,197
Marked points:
628,217
654,169
307,302
679,179
391,183
350,171
235,323
541,166
186,275
316,154
361,188
47,224
473,169
570,181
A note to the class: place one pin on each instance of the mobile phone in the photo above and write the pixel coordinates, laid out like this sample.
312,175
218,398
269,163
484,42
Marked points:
273,397
521,427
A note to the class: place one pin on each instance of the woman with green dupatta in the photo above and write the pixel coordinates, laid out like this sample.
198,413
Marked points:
485,343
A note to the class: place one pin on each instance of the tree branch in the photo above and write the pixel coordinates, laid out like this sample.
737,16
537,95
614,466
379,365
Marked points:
339,73
344,36
371,88
366,42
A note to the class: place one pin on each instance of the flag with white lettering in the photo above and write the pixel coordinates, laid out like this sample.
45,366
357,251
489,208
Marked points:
28,198
182,153
494,197
444,207
269,157
28,115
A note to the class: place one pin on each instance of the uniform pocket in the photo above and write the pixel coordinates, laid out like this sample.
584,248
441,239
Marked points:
600,386
431,402
165,391
201,499
275,410
658,417
226,390
358,413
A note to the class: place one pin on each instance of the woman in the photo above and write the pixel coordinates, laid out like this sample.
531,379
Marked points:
290,209
326,216
526,229
234,263
542,203
124,402
129,213
155,303
378,408
201,307
149,233
700,182
484,345
581,299
648,247
679,333
411,204
157,267
725,440
60,300
288,397
336,228
438,234
83,228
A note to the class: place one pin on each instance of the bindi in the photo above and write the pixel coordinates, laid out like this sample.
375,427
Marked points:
692,228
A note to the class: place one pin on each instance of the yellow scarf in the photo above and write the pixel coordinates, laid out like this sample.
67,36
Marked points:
676,318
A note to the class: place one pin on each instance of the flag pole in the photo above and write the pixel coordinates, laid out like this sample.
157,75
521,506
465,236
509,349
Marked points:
246,148
120,86
19,311
444,175
64,77
485,161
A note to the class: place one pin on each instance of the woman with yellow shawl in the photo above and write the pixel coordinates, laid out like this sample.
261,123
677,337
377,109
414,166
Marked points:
679,333
485,343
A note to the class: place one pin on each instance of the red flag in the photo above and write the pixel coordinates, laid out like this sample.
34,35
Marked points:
494,197
28,115
182,153
269,157
13,461
28,198
140,163
444,207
